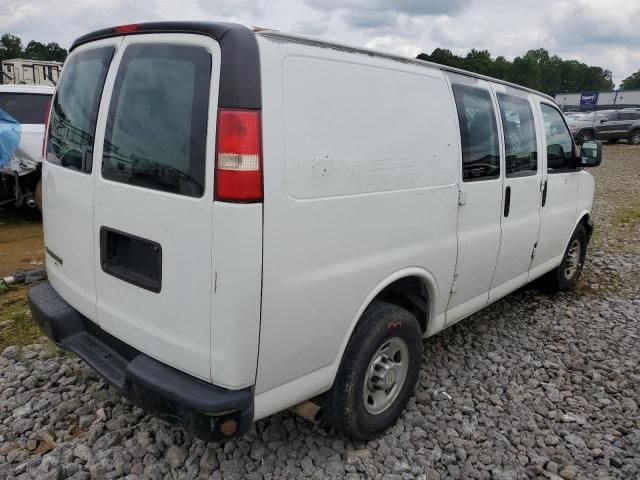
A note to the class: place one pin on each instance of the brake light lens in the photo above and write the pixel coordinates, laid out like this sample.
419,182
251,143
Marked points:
46,126
238,156
130,27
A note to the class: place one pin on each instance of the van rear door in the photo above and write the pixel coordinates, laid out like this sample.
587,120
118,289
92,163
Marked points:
68,174
153,222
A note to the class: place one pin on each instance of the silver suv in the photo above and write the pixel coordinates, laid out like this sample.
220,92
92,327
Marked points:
610,125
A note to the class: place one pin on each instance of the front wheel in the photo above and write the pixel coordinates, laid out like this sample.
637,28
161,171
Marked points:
634,138
566,275
378,373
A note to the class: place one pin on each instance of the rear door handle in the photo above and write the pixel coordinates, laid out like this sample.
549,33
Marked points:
507,201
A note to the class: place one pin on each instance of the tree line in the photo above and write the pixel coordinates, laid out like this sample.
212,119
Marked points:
11,47
535,69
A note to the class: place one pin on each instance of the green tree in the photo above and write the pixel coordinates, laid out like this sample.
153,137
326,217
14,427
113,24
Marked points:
10,47
536,69
631,82
55,53
35,50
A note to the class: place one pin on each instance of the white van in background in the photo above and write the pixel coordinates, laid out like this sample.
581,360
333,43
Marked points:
276,218
20,177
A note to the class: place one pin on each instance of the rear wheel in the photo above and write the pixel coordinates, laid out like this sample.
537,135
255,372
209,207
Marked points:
566,275
584,136
378,372
634,137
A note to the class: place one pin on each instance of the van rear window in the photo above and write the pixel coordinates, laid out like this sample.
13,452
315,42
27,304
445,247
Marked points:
28,108
157,126
75,109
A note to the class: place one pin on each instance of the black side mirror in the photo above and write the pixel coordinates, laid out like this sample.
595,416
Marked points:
591,154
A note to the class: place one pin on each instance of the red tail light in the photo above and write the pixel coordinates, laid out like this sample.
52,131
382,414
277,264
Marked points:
46,127
238,152
131,27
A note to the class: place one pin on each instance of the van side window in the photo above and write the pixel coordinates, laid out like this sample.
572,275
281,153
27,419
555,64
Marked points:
75,109
157,125
519,136
478,133
560,151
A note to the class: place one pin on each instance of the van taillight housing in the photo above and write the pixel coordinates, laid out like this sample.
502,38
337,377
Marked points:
238,156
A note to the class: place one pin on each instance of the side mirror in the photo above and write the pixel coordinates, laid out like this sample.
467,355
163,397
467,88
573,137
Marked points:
591,154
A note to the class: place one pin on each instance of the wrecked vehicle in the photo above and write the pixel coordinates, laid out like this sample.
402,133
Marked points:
23,109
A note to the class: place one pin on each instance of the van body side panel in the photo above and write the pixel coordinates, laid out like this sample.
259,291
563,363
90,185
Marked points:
478,229
521,226
359,182
237,280
558,216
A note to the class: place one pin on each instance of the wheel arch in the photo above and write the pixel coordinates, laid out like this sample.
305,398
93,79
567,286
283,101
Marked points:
586,221
388,289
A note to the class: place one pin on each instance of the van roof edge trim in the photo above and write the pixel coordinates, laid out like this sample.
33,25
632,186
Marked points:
390,56
239,65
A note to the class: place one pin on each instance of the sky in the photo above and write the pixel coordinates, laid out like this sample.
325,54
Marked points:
605,33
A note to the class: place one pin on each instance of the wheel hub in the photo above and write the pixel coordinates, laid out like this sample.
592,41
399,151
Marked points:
386,375
572,261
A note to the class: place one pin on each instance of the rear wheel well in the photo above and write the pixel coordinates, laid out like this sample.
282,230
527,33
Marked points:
411,294
585,221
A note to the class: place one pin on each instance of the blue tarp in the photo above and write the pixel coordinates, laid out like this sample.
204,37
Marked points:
9,137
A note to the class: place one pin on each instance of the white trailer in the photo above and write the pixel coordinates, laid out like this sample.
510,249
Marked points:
21,71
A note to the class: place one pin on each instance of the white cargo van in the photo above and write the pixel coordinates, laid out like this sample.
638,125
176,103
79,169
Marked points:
276,218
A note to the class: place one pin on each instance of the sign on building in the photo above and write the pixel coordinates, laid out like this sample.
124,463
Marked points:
589,98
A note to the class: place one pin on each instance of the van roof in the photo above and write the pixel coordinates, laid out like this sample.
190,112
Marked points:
398,58
236,38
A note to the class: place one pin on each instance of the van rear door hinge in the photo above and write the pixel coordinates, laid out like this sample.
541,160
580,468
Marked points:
533,252
462,198
454,285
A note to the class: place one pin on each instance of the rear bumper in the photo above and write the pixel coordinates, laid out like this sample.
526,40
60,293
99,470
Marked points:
207,411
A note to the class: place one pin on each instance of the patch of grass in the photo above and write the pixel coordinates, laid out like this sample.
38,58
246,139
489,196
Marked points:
16,325
627,214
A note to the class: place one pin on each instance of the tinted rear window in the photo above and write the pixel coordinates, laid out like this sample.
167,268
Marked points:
25,107
75,109
157,126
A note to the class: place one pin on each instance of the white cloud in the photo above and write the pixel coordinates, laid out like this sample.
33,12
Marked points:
597,32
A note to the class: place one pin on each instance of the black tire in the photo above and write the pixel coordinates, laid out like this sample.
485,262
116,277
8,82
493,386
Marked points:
634,137
344,404
584,136
558,280
613,140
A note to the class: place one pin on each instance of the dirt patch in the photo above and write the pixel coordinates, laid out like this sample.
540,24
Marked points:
21,240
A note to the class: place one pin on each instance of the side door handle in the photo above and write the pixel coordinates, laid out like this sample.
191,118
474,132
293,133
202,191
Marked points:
544,194
507,201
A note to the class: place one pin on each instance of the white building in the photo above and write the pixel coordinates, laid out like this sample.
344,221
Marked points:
598,100
20,71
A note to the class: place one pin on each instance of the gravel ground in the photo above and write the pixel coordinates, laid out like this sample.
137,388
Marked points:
535,386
